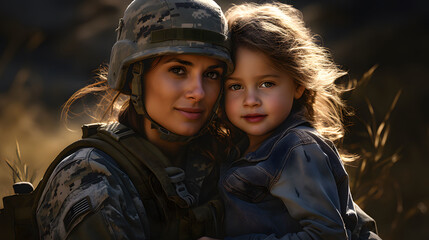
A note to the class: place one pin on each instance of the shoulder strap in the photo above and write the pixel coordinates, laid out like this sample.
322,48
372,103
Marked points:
141,153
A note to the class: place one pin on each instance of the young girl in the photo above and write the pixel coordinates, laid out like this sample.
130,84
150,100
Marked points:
287,179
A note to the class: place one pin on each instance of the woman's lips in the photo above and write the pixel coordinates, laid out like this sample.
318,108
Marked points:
191,113
255,117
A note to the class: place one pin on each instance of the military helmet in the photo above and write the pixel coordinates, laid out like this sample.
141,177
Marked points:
152,28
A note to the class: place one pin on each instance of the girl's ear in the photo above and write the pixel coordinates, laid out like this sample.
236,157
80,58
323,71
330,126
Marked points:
299,91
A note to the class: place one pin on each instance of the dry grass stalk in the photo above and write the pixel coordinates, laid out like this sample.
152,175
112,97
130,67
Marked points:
19,169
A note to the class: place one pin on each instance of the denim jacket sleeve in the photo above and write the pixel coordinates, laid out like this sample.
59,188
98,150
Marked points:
307,187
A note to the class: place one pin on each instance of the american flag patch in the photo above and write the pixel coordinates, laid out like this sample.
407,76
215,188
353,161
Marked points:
78,209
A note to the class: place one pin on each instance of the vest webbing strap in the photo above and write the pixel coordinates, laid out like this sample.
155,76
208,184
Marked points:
140,151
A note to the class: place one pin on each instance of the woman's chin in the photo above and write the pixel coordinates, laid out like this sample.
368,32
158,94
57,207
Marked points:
189,131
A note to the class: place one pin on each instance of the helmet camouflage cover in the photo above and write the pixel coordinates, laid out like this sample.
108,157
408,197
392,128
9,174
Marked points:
152,28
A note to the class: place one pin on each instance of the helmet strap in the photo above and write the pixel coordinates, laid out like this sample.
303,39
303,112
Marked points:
136,88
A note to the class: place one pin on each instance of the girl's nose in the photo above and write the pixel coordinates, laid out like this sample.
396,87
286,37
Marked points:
251,99
195,90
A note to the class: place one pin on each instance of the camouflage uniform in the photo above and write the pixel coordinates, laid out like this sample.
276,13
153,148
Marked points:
88,196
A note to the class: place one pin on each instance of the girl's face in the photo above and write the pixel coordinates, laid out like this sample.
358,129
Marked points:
258,97
181,90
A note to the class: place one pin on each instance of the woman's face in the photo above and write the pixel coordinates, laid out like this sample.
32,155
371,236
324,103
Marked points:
181,90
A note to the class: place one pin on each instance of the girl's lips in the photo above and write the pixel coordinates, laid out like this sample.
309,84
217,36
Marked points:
253,118
191,113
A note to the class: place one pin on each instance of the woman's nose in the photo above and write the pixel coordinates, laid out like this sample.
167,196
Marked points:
195,88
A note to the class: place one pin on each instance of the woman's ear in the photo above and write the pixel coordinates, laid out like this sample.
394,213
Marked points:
299,91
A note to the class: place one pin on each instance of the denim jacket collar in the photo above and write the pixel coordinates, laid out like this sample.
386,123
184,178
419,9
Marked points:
295,118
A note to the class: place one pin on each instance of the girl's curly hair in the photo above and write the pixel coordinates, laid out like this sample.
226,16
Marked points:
278,31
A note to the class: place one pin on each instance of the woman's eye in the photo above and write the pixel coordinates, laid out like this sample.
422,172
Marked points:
235,87
267,84
213,75
177,70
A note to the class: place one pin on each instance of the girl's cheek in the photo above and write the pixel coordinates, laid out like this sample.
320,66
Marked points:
228,101
231,105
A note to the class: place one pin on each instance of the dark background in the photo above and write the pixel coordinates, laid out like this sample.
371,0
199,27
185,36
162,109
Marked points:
49,49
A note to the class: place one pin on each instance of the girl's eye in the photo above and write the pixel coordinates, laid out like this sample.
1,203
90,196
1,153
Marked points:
235,87
213,75
267,84
177,70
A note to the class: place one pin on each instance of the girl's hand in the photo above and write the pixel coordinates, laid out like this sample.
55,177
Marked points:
207,238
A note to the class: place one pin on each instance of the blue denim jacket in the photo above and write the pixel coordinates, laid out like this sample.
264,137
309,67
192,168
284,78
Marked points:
294,186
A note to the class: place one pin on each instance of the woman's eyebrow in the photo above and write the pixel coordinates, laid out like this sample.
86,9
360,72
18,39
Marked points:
215,66
187,63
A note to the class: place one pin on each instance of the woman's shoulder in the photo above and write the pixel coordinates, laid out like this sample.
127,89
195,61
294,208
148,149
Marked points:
73,175
83,161
80,185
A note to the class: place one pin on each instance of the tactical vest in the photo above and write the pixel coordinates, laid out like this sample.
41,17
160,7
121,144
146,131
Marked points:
160,186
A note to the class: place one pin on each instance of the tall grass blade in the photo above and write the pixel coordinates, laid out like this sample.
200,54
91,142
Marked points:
385,136
15,171
367,75
392,106
18,151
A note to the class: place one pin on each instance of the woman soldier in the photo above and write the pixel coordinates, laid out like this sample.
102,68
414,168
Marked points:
170,58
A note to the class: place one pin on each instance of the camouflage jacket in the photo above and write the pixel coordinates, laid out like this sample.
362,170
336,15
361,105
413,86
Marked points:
89,197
